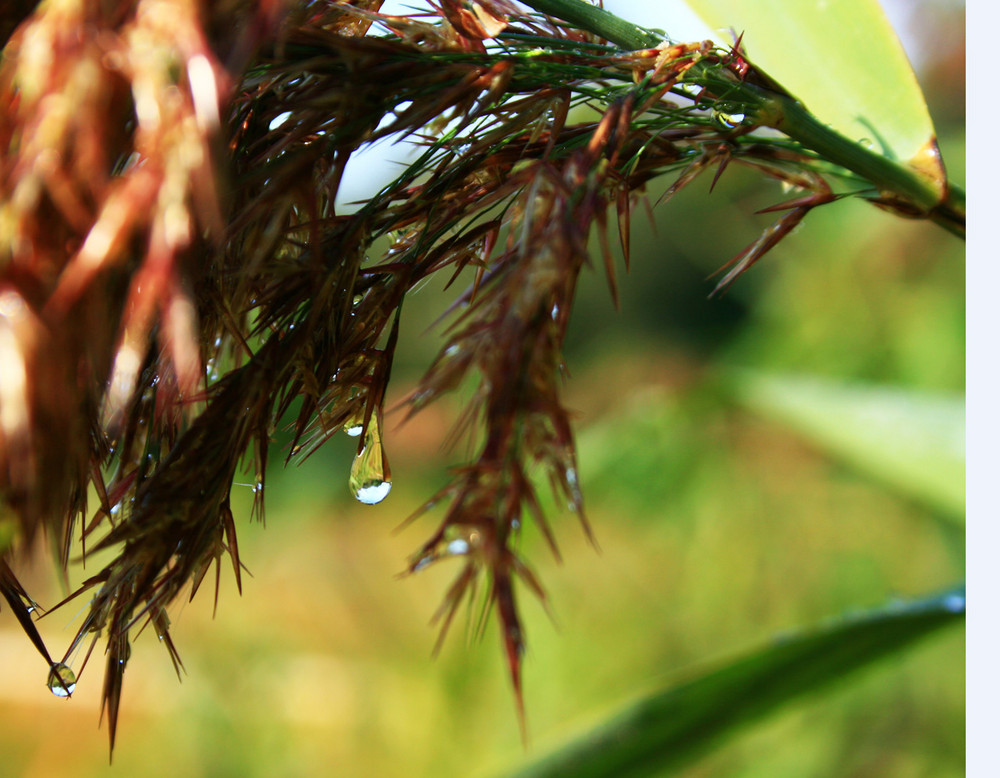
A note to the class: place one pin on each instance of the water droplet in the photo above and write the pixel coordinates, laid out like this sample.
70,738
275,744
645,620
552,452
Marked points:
867,143
354,425
954,603
575,502
458,546
62,680
370,481
729,120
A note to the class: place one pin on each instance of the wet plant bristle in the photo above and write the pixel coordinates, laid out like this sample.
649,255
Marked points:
175,274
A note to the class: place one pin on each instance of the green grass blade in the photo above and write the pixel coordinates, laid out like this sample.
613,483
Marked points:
843,60
913,441
669,729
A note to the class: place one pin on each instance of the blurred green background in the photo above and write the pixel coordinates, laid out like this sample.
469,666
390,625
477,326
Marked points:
722,522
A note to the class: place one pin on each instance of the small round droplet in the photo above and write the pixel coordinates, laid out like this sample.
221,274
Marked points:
729,120
354,430
62,680
458,546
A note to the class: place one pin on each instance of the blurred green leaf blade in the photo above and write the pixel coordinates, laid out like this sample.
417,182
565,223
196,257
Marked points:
912,440
843,60
669,729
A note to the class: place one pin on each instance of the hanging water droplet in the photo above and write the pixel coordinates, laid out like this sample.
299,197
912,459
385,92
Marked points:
354,430
370,480
62,680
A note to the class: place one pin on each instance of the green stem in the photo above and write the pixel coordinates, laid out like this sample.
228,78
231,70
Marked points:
792,118
598,21
783,113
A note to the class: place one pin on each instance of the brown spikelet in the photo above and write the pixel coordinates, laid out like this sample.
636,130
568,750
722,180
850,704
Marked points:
176,273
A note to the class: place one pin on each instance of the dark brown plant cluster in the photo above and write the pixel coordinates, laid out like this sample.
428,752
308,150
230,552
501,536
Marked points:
176,278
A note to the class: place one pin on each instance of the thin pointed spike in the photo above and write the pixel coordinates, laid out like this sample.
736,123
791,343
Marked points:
112,693
452,601
513,642
229,527
609,262
624,206
12,592
809,201
218,575
723,164
752,253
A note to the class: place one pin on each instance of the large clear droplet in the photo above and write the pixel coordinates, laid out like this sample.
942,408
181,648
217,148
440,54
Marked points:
370,479
62,680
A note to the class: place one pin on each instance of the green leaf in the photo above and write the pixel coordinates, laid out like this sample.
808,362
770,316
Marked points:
842,59
669,729
911,440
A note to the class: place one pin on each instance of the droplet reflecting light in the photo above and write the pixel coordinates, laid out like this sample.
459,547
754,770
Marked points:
370,480
62,680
